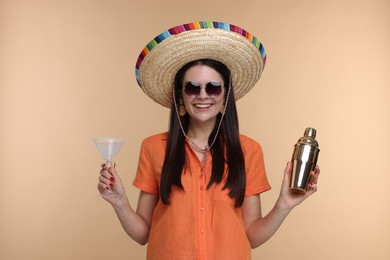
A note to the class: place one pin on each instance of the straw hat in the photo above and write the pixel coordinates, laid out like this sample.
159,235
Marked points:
163,57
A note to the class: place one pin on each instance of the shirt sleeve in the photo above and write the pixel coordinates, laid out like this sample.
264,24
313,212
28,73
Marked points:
145,178
256,177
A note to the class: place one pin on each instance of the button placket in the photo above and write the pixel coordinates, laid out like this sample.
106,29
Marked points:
202,212
202,217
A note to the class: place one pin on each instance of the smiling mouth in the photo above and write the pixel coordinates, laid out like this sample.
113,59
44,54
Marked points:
202,105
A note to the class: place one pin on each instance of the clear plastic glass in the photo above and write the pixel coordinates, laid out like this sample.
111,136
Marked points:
108,148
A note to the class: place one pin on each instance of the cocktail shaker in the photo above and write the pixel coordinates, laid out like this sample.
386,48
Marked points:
304,160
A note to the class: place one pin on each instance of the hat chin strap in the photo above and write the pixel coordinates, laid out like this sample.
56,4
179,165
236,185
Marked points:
206,150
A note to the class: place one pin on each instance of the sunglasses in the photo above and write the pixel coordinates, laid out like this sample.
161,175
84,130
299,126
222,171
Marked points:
192,88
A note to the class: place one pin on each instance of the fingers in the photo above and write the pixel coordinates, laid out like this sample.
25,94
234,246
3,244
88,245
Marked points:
287,170
104,183
315,174
106,178
312,186
108,172
103,187
317,170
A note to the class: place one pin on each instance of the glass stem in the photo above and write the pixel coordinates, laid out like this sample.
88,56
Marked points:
109,163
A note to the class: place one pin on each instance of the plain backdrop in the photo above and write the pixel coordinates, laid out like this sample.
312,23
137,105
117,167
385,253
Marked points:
67,75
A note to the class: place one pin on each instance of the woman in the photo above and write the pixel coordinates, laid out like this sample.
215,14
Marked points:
201,181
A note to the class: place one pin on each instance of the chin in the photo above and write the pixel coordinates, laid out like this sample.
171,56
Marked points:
204,119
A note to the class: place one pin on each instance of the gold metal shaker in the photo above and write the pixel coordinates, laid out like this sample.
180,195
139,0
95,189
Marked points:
304,160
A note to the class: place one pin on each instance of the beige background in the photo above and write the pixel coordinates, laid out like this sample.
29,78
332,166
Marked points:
67,75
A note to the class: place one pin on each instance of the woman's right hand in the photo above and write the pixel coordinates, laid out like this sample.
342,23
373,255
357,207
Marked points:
111,187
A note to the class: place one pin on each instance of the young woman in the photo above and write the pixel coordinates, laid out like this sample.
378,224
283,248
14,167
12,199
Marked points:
200,182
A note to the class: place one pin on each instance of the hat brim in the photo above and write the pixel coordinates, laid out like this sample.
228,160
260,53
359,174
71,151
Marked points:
159,66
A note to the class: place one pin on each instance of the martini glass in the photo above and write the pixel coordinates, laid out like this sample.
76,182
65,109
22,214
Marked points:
108,148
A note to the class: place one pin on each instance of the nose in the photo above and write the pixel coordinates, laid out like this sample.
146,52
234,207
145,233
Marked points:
202,92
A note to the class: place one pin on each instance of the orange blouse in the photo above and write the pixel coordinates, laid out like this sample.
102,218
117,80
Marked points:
199,223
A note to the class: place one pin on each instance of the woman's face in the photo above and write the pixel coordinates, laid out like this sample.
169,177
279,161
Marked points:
204,107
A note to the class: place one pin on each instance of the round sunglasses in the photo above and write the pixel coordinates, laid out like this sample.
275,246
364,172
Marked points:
192,88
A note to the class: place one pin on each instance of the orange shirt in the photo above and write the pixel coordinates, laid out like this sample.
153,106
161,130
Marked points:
199,223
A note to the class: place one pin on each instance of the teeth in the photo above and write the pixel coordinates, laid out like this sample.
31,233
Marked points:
202,105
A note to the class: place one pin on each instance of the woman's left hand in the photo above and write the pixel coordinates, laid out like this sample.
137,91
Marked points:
291,199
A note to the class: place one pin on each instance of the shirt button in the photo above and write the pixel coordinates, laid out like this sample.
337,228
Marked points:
202,231
201,187
201,209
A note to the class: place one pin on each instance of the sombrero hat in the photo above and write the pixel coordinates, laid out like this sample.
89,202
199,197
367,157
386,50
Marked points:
163,57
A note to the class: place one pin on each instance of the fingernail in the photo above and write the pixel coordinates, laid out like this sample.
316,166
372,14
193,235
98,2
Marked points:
107,188
111,184
112,179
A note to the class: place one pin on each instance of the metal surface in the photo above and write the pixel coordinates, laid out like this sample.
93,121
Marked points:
304,160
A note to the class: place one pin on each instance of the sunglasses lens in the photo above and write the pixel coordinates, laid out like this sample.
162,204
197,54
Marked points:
213,88
192,88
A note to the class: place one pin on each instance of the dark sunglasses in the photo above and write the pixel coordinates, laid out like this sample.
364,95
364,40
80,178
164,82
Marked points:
192,88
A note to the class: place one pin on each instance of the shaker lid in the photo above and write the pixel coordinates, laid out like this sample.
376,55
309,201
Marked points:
309,131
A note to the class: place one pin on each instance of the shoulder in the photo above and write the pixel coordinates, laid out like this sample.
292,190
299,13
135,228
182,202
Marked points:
250,146
155,141
156,137
248,142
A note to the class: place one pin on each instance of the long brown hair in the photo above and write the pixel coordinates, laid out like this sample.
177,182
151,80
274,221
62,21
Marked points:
228,140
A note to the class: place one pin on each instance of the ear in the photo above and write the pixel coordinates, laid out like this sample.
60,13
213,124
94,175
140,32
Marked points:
223,109
182,109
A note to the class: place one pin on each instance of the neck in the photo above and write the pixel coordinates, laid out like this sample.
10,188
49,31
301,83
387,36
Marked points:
200,132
